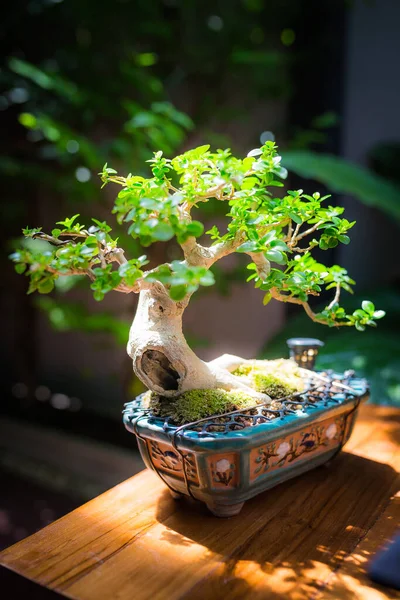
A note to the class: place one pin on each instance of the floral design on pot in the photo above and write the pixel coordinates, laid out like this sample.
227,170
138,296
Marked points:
164,457
331,431
314,439
223,470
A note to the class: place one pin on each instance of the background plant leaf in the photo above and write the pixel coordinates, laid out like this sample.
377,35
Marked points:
344,177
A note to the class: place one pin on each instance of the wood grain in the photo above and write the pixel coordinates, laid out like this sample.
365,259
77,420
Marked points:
307,538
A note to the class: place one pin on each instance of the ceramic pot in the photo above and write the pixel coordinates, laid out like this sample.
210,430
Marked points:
225,460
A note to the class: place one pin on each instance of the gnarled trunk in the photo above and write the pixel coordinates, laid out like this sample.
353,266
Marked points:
162,359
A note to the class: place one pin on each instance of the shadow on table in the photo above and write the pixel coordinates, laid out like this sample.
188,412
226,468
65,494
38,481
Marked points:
287,542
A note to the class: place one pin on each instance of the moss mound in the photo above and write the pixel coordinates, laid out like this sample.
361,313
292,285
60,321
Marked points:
198,404
272,385
277,378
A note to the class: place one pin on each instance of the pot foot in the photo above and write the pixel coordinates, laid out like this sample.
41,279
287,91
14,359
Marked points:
176,495
225,510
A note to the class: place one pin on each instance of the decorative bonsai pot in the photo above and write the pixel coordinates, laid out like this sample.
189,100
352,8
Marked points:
225,460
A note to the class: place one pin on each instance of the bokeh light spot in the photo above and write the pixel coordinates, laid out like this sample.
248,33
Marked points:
267,136
27,120
60,401
34,135
147,59
288,37
358,362
215,23
82,174
72,146
18,95
42,393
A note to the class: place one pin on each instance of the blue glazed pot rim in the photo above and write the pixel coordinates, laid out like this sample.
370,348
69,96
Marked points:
259,419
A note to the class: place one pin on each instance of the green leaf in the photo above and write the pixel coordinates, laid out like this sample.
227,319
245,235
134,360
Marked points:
379,314
31,232
276,256
295,218
368,306
200,150
162,232
20,268
323,244
207,279
249,183
267,298
195,228
150,203
268,237
344,239
248,247
281,172
68,221
255,152
279,245
178,292
46,285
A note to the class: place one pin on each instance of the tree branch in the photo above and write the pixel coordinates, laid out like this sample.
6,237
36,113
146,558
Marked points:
203,256
70,272
262,264
121,287
293,240
293,300
336,297
117,255
105,257
308,231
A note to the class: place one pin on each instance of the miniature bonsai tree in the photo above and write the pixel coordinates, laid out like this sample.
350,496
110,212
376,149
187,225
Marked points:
278,234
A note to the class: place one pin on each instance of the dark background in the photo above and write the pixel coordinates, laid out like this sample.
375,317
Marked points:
84,83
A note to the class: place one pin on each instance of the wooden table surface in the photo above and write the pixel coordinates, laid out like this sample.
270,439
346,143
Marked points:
307,538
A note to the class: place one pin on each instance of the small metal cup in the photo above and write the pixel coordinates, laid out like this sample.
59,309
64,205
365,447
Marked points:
304,351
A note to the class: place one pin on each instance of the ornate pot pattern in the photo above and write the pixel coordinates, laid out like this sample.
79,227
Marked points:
166,459
225,460
315,439
223,470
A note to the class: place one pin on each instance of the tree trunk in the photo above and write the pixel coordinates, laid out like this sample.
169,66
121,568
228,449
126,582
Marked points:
162,359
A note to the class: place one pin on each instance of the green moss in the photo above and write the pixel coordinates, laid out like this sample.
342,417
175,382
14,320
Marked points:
272,385
277,378
243,370
198,404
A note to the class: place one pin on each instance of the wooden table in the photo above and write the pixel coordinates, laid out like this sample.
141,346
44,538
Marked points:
307,538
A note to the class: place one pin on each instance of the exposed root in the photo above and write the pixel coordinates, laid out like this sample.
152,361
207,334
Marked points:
230,362
164,362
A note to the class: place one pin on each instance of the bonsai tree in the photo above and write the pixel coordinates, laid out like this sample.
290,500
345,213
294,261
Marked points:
278,234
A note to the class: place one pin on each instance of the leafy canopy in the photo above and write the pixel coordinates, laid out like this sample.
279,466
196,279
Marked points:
278,233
